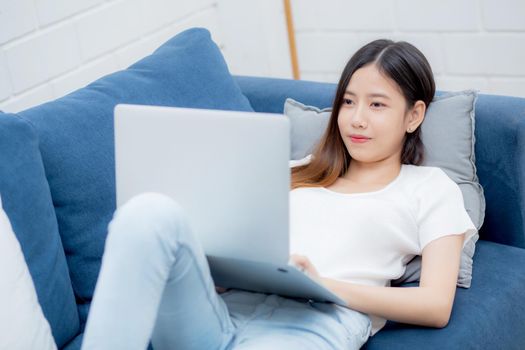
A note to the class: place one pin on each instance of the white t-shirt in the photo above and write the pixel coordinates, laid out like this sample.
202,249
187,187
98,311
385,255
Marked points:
368,238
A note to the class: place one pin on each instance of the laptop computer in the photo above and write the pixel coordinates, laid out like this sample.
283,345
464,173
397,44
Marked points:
230,173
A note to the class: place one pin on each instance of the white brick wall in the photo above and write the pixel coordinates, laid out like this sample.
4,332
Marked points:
471,44
49,48
17,17
5,80
433,16
255,37
100,31
503,15
50,11
46,54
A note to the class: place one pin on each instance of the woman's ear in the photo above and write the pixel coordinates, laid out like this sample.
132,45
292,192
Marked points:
416,115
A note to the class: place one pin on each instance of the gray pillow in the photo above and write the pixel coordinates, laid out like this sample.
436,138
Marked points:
307,124
448,136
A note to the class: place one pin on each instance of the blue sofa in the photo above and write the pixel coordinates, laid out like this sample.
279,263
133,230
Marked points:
57,186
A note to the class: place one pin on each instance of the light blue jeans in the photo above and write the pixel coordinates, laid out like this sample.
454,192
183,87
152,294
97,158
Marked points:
155,285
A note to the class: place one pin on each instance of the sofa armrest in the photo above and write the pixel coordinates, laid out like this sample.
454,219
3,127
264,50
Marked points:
500,161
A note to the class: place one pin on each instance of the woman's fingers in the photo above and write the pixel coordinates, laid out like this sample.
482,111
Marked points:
299,261
302,262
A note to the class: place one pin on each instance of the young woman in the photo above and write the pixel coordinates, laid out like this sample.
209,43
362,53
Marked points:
360,208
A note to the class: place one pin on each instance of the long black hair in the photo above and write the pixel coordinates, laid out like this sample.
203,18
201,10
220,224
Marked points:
407,66
410,70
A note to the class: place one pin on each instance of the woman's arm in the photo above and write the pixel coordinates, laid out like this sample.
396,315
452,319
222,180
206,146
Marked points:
430,304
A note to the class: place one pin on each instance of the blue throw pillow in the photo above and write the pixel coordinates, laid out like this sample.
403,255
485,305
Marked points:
76,139
27,202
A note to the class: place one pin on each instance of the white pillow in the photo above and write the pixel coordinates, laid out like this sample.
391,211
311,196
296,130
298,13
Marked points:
22,323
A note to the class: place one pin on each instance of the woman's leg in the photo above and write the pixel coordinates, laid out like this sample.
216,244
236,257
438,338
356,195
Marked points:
286,324
155,284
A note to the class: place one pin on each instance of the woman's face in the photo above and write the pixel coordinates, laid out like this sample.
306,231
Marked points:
373,117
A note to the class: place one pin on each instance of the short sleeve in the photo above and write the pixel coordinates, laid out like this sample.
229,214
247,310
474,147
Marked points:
441,210
299,162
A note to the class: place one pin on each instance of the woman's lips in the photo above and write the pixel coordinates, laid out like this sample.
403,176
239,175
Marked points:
359,139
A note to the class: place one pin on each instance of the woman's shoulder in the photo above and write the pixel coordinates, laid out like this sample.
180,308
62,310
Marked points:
423,177
423,171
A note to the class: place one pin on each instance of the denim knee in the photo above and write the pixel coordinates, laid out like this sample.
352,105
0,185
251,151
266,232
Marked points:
149,217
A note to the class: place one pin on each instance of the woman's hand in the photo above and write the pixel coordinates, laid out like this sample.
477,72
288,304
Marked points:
304,264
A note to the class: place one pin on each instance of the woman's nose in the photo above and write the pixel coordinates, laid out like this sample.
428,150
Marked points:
358,118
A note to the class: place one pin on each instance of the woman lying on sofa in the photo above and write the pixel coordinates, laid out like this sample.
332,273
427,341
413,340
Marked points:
155,283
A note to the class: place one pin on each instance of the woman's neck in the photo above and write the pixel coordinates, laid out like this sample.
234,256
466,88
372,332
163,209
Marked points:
377,173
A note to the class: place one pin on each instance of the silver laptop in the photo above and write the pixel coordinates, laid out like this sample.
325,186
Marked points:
230,173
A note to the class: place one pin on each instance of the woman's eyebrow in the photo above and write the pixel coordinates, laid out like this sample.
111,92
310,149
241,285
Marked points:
376,94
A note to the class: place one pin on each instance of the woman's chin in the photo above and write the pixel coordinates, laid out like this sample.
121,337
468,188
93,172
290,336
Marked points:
361,158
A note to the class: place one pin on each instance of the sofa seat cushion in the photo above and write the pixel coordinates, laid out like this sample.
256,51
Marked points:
27,202
76,134
489,315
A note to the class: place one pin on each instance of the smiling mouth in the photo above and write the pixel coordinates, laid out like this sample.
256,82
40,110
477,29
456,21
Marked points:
359,139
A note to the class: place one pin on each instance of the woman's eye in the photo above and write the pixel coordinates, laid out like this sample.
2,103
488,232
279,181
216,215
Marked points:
377,104
347,101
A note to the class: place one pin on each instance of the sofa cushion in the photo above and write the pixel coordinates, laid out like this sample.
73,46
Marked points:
27,202
489,315
307,125
75,344
450,117
77,146
500,159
